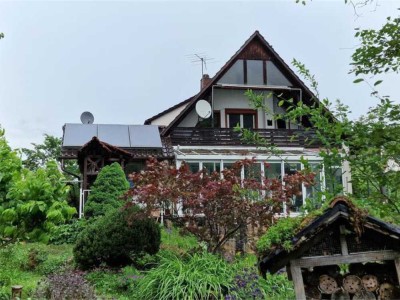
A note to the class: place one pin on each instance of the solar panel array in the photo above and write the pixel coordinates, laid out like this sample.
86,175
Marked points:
124,136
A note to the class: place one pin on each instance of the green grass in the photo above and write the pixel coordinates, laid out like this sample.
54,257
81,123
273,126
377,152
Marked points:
173,241
26,263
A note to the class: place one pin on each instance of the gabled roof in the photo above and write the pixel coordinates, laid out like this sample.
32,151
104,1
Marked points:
96,143
149,120
256,36
340,210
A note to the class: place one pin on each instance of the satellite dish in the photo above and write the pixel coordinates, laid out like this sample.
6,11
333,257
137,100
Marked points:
203,109
87,118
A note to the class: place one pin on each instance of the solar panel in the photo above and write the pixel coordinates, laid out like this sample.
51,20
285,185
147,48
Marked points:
116,135
144,136
125,136
76,135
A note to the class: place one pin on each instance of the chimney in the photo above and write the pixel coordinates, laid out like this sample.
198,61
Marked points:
204,81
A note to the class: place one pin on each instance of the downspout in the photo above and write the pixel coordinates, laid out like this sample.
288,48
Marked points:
68,172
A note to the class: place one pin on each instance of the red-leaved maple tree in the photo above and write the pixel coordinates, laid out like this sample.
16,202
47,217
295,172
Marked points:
215,206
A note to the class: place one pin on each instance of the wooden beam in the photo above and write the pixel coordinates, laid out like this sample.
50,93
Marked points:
397,264
298,282
343,242
307,262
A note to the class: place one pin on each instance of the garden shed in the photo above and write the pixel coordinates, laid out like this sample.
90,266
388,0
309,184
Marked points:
342,254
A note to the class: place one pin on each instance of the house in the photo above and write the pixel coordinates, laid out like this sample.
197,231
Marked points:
214,144
200,130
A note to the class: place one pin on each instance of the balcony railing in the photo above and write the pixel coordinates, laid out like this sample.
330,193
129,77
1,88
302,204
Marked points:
228,137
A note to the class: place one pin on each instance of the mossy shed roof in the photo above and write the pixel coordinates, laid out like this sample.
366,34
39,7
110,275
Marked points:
340,212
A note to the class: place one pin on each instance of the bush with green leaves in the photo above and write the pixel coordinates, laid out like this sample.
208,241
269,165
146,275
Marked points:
67,233
114,239
107,190
197,276
280,233
35,204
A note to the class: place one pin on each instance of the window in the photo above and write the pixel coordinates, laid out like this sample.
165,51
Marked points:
275,77
334,182
212,167
312,191
253,172
206,123
235,75
193,167
273,171
242,118
255,72
297,200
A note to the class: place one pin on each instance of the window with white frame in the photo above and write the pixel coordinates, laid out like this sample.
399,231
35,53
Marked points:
270,170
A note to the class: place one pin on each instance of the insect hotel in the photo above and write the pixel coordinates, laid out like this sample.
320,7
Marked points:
342,254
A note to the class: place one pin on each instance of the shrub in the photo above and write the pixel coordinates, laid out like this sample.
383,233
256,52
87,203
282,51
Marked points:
70,285
35,204
67,233
198,276
113,240
106,191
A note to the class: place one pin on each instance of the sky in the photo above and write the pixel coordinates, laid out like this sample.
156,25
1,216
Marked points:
127,61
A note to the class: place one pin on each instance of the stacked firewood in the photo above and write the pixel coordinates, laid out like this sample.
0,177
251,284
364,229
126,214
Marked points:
360,282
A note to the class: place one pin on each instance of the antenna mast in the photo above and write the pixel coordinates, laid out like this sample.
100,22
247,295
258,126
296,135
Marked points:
202,59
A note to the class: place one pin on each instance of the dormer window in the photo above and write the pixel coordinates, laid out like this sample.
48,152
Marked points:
254,72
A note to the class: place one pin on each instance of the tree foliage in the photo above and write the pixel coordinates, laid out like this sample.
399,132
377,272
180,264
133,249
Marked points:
107,190
35,203
37,157
10,165
379,51
370,145
215,207
49,149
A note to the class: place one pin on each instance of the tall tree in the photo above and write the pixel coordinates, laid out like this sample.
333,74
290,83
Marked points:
37,157
215,207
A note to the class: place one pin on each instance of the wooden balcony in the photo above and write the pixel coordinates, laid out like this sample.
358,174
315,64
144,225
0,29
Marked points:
187,136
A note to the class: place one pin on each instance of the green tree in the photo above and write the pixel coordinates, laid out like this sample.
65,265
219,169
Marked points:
379,50
37,157
107,190
49,149
10,165
35,204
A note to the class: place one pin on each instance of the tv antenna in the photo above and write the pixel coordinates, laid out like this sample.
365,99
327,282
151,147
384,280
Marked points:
201,58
